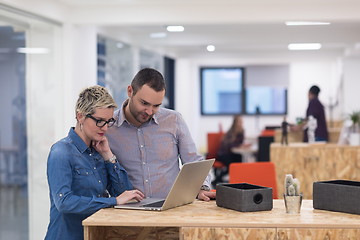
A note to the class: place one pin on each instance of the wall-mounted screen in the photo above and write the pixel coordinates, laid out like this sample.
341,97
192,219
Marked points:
222,90
266,100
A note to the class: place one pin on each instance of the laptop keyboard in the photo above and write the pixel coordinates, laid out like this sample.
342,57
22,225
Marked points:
155,204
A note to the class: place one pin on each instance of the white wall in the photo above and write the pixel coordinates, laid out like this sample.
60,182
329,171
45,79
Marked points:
351,85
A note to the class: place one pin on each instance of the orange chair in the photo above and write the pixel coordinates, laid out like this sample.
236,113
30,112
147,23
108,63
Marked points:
267,133
213,144
257,173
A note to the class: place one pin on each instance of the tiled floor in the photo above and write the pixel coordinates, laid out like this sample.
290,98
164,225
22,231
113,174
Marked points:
13,213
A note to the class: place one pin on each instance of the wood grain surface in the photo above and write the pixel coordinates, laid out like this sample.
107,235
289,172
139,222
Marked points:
314,162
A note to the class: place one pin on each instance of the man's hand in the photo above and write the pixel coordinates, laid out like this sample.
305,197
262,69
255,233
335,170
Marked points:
206,195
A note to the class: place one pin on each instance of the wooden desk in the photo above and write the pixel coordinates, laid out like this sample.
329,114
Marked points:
314,162
248,154
204,220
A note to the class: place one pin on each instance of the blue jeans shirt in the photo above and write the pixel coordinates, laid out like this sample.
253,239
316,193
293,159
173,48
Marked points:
80,183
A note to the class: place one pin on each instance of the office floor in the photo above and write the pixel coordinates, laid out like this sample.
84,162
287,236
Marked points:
14,213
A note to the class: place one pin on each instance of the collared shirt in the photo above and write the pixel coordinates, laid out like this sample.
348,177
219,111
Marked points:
150,153
80,183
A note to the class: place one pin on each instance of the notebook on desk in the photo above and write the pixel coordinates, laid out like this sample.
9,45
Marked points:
184,190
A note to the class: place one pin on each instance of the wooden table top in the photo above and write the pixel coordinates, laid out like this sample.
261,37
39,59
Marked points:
312,145
207,214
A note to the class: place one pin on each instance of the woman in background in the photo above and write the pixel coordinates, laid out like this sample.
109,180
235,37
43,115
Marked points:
83,173
234,137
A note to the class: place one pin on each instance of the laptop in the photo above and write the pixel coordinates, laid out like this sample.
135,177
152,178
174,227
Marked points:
184,190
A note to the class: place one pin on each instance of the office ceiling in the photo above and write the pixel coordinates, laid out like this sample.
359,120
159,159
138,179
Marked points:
249,29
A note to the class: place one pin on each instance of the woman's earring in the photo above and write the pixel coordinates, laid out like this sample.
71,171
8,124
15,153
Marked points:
81,126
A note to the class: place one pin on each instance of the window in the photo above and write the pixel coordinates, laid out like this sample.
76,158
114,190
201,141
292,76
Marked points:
221,90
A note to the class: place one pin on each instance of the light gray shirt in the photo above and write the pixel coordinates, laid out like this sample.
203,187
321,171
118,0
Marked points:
150,153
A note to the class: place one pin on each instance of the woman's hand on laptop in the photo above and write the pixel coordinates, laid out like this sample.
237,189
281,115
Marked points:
129,195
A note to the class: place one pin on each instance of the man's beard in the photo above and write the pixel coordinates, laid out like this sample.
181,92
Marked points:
140,117
143,117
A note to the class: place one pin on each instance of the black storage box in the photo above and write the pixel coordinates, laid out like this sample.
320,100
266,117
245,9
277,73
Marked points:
337,195
244,197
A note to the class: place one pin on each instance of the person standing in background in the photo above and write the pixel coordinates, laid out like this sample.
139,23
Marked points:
150,141
316,109
284,132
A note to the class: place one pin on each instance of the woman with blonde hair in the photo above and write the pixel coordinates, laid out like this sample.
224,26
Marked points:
83,173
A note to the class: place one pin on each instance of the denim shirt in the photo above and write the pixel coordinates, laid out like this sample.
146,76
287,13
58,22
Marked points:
80,183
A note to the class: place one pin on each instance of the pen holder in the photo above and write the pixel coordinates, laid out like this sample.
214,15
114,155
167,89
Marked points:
293,204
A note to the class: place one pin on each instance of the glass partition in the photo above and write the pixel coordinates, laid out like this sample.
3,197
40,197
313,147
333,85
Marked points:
31,95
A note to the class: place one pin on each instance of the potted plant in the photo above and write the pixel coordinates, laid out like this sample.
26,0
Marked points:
292,195
354,134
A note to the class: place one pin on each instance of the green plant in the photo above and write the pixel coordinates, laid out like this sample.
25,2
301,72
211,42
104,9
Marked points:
292,186
355,118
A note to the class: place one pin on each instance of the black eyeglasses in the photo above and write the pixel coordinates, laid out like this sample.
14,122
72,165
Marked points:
100,123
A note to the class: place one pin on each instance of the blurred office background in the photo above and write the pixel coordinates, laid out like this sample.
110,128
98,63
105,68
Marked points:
51,49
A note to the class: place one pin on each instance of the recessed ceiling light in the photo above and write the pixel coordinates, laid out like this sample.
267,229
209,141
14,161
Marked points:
210,48
302,23
175,28
158,35
33,50
304,46
119,45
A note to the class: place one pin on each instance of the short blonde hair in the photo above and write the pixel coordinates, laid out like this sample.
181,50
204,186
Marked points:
94,97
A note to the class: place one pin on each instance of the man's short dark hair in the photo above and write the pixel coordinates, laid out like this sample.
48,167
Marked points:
153,78
314,90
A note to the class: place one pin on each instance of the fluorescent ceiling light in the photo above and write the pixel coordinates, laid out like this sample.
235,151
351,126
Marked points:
304,46
300,23
33,50
119,45
158,35
210,48
175,28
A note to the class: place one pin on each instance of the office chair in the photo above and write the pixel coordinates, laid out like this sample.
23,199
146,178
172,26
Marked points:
257,173
213,144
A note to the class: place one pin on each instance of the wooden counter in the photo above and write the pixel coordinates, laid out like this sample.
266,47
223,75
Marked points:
314,162
204,220
297,136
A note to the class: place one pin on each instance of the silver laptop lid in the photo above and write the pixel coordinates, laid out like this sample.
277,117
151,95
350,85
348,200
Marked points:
188,183
184,190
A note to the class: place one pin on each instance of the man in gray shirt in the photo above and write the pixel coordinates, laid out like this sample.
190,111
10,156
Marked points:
148,140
